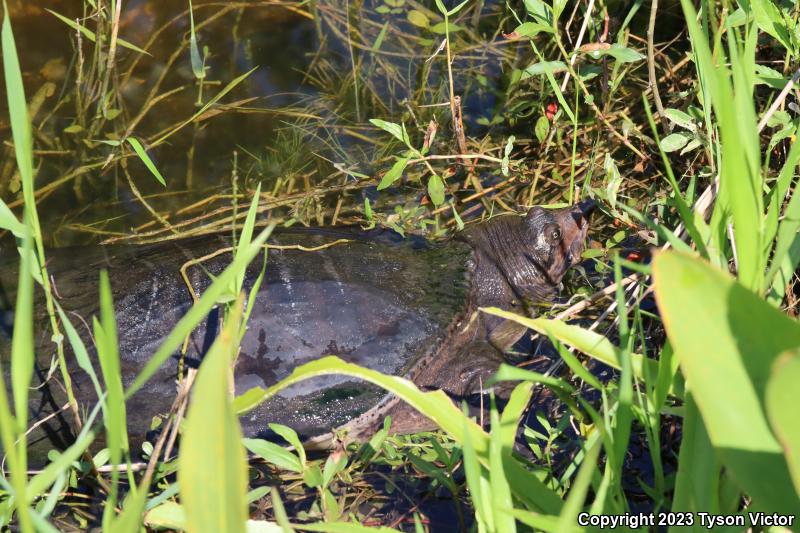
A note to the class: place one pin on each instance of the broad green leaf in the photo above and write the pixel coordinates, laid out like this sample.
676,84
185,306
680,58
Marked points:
79,350
130,519
86,32
394,173
245,237
376,46
436,190
105,333
726,339
512,413
783,397
212,465
142,153
435,405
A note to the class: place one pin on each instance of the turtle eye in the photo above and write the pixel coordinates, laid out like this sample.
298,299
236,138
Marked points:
555,235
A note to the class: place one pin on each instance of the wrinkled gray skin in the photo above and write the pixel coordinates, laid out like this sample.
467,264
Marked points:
405,308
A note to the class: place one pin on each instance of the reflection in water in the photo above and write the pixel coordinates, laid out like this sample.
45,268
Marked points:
299,120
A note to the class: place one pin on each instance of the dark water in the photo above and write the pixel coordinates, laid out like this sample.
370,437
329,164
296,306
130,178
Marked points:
299,116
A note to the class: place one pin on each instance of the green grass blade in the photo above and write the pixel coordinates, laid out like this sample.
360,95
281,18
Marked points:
142,153
9,222
247,236
591,343
22,351
500,490
9,431
580,487
740,177
435,405
212,466
105,331
274,454
518,402
79,349
89,34
697,479
41,481
198,312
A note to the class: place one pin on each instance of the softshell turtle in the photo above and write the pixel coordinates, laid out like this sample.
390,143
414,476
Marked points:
403,307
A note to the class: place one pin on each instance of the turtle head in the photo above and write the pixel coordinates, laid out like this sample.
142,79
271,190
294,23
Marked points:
556,238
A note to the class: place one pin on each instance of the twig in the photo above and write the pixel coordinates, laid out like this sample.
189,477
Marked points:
578,42
651,65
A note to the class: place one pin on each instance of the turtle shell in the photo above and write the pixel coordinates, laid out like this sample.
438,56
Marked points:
374,300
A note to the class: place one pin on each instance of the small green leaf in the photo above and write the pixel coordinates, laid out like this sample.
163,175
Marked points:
418,18
542,128
441,28
457,218
539,11
9,222
390,127
274,454
544,67
393,174
621,53
674,141
198,69
531,29
436,190
679,118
